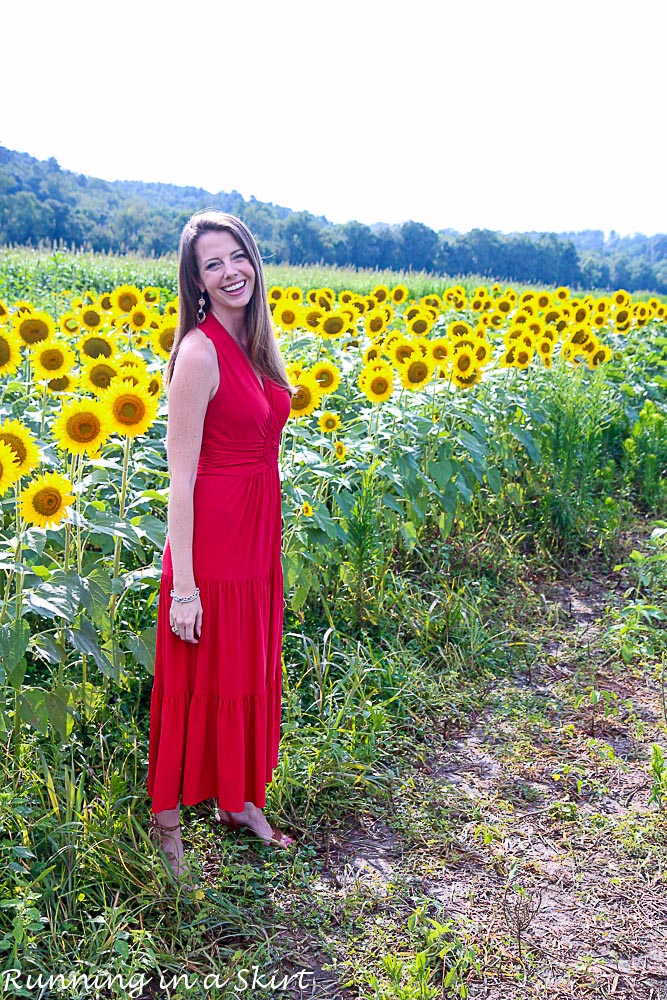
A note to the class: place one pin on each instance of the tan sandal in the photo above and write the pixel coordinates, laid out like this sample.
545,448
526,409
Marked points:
155,835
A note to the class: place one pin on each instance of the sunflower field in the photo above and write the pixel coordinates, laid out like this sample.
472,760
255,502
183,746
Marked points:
534,420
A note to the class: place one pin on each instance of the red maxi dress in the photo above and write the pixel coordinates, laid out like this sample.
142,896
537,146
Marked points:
216,706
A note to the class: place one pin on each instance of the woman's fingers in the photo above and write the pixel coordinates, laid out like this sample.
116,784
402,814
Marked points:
187,623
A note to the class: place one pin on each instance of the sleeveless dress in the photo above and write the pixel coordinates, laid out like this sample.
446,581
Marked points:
216,706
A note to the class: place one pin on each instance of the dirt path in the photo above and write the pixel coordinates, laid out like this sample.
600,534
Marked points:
543,801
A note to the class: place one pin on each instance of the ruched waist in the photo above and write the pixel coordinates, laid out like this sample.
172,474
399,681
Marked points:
240,458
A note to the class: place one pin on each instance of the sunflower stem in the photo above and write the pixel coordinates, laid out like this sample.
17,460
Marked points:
121,514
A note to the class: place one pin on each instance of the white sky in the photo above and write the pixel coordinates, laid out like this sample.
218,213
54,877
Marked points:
515,115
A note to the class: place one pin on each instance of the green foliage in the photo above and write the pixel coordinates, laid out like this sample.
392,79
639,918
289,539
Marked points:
645,458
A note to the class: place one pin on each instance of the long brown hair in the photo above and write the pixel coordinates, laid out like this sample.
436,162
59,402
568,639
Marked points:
263,346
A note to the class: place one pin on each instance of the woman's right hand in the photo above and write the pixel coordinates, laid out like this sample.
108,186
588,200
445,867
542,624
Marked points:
186,620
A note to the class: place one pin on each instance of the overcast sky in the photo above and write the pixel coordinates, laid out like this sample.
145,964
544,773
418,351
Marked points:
514,116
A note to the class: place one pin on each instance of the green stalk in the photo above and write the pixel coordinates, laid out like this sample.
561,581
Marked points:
121,514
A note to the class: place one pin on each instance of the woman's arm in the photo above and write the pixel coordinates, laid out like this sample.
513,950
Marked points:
192,384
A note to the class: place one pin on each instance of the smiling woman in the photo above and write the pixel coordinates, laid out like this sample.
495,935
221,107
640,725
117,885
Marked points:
216,699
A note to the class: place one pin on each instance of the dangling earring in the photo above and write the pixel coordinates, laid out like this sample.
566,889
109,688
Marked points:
201,315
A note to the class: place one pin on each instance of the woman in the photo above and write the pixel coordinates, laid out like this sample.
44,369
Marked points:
215,703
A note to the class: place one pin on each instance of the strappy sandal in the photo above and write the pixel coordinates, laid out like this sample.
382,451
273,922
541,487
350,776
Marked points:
278,838
155,835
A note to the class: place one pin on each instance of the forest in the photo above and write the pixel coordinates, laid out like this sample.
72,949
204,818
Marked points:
44,205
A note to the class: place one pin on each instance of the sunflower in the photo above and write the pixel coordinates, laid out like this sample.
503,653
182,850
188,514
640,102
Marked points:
294,370
9,467
63,383
463,362
171,308
35,327
376,381
96,374
287,314
466,381
523,356
399,293
45,500
307,396
162,337
441,350
339,450
482,351
416,373
380,293
562,294
420,324
22,443
432,299
69,322
371,353
374,322
334,324
544,347
599,357
151,295
94,345
140,318
294,294
329,422
459,329
312,318
10,352
504,305
82,426
130,409
275,293
92,317
400,350
51,358
124,299
327,375
154,384
306,509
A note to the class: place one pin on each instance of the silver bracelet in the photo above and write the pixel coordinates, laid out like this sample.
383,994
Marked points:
184,600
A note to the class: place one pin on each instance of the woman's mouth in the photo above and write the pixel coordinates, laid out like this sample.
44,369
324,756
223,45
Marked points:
236,287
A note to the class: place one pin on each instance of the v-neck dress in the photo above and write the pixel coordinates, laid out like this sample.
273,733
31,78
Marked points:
216,706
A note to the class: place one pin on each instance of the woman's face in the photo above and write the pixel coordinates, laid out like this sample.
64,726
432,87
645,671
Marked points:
226,272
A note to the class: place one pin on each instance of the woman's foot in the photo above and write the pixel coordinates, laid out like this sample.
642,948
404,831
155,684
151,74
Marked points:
165,826
254,819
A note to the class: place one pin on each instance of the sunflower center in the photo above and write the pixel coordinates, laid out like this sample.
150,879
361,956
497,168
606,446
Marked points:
334,324
83,427
380,385
101,376
95,346
167,340
58,384
463,363
127,302
33,330
91,317
47,501
325,378
129,410
52,360
301,398
417,371
5,353
16,444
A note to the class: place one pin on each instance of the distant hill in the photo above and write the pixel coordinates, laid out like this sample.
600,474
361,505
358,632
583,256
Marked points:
41,204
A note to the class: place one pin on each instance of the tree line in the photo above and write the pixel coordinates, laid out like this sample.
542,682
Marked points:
42,204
